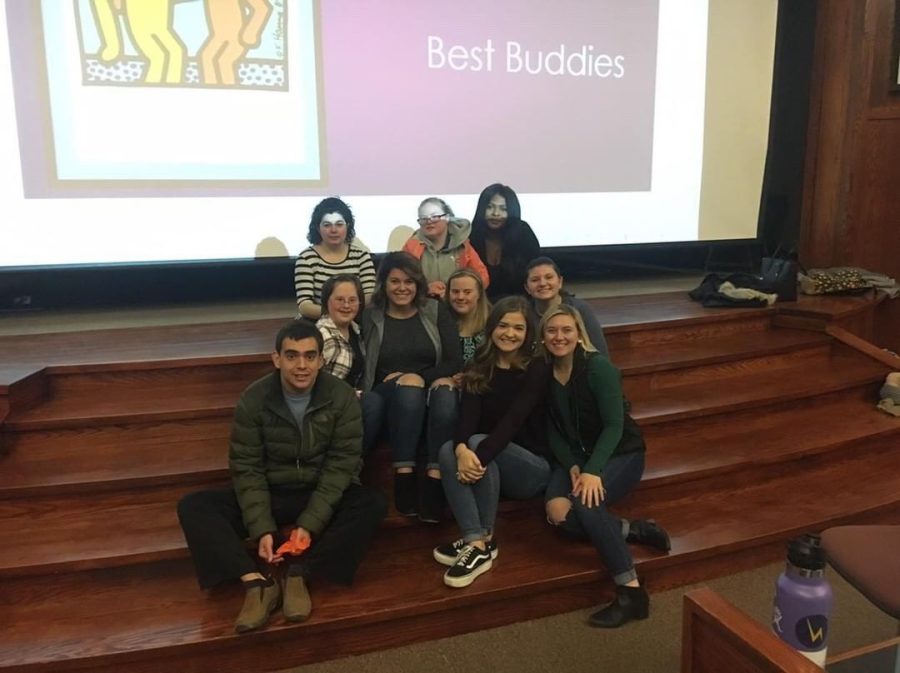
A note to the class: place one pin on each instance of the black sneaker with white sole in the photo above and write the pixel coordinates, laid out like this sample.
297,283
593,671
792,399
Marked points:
446,554
470,563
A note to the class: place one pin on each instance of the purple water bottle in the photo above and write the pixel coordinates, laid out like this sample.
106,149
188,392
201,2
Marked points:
803,599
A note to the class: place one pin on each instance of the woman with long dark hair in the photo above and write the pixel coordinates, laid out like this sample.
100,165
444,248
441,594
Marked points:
503,241
500,442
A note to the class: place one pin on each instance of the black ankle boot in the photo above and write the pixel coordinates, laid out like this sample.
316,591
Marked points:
650,533
431,507
631,603
405,493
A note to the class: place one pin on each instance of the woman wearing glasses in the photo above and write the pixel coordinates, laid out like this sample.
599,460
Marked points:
332,252
442,246
343,353
503,240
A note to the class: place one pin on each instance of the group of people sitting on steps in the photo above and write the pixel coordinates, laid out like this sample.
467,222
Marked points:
517,399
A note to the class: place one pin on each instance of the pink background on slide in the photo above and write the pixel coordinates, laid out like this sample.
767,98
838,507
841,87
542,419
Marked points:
396,126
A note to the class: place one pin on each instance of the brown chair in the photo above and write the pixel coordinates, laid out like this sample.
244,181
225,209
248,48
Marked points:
868,557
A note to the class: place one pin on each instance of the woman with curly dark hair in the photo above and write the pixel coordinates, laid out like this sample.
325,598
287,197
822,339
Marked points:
332,252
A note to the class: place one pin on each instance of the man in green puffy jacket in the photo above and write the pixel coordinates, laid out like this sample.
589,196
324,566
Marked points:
295,458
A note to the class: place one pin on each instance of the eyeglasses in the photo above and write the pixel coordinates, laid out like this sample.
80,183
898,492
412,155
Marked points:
431,218
345,301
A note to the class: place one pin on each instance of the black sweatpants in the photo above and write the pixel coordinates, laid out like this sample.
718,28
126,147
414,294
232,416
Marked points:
215,533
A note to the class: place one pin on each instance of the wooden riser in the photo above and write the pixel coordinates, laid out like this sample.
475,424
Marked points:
149,612
99,439
96,459
741,389
754,433
154,534
708,448
672,332
633,361
84,383
700,373
138,346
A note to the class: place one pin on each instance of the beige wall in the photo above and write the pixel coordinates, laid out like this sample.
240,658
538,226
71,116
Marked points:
741,55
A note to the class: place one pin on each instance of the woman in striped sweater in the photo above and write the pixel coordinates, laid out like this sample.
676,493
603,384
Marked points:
331,232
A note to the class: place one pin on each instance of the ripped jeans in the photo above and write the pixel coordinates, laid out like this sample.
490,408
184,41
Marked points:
406,409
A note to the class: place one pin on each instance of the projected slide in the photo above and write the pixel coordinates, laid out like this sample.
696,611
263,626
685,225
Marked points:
163,130
227,90
181,91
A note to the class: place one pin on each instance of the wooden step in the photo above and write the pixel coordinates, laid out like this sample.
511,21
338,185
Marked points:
677,460
55,534
710,448
148,617
93,459
739,388
190,401
647,359
134,345
85,383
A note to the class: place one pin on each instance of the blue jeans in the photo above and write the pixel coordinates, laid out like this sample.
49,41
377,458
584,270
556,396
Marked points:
606,531
406,409
515,472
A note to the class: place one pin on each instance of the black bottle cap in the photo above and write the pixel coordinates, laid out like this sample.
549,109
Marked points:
806,552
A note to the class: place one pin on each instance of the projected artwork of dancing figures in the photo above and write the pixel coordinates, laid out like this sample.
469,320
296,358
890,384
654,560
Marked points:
150,25
231,34
183,43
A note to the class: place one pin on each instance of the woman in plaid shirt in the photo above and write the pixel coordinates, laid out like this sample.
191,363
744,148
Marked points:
343,352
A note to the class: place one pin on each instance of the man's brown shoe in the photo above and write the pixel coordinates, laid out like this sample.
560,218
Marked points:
260,601
297,604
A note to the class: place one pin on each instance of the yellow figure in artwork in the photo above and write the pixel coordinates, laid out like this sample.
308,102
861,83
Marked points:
150,25
232,32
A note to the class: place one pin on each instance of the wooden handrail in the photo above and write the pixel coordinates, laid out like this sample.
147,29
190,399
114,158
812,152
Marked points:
716,636
864,346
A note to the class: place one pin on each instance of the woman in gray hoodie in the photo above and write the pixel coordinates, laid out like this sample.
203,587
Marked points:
442,246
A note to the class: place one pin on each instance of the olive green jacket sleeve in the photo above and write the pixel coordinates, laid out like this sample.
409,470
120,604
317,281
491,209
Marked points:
247,460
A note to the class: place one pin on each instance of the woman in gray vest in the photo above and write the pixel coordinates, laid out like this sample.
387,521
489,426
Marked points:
412,353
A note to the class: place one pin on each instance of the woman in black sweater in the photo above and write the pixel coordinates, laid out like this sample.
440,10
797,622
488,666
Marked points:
500,442
503,240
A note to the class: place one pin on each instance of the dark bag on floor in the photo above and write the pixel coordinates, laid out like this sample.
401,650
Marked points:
779,274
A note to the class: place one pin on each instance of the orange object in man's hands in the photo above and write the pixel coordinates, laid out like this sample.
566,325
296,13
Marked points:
295,545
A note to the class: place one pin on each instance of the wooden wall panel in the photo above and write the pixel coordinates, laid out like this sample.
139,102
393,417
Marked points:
833,105
851,211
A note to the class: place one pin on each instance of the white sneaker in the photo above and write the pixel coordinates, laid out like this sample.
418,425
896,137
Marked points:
470,563
446,554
